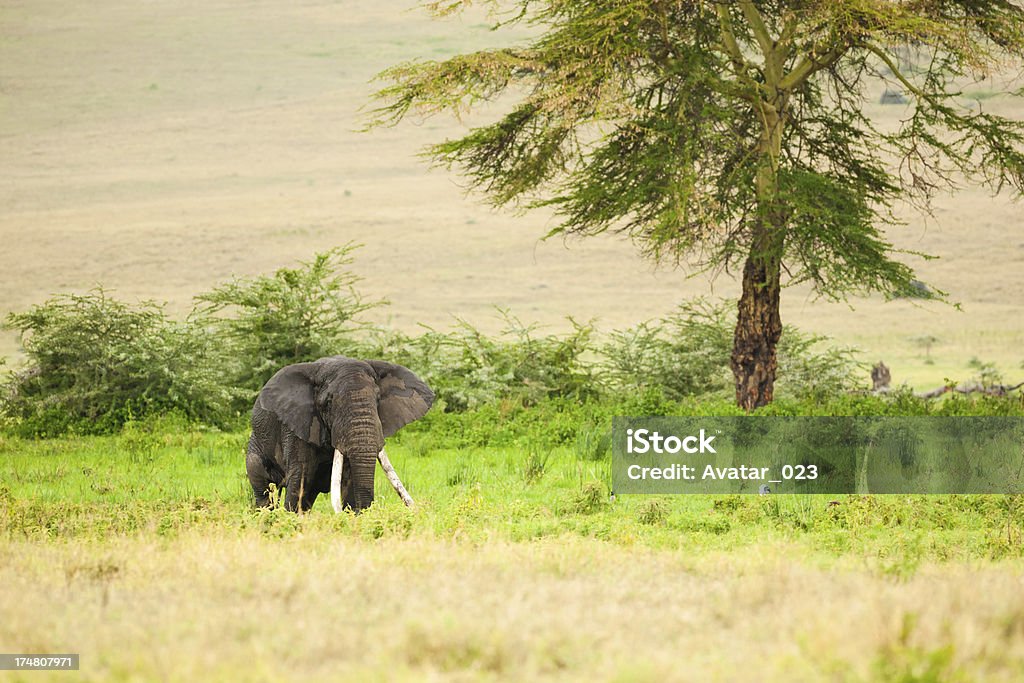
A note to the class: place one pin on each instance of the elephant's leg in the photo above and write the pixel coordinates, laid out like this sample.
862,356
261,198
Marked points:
301,492
323,477
302,480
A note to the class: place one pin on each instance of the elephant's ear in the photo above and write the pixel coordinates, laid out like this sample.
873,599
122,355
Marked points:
404,397
290,395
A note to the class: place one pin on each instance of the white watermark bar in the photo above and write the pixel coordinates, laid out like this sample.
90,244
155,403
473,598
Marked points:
828,455
38,662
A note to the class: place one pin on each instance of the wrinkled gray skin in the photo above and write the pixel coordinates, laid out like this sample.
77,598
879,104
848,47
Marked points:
307,410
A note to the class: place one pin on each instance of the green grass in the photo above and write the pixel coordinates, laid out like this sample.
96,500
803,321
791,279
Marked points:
143,553
166,482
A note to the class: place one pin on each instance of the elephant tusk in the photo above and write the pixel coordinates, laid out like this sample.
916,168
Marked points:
339,460
392,476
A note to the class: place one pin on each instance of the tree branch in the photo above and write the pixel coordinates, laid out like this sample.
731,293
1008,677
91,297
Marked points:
732,48
810,65
729,41
875,50
757,25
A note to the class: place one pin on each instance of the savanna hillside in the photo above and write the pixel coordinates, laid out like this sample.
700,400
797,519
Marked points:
160,151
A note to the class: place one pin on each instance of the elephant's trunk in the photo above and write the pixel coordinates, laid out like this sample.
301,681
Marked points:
363,467
356,433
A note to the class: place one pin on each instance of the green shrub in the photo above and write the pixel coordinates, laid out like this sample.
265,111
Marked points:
468,369
585,428
683,354
809,366
591,498
294,315
688,353
652,512
94,362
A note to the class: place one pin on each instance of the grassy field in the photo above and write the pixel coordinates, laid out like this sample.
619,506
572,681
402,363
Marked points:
142,553
160,148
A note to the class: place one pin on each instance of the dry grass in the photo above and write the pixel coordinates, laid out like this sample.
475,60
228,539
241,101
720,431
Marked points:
318,608
156,568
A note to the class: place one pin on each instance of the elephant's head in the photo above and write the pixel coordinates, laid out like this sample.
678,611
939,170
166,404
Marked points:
352,406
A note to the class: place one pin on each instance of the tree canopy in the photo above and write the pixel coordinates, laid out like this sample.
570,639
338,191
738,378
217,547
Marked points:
727,133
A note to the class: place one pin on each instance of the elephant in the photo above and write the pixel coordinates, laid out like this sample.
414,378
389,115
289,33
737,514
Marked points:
320,426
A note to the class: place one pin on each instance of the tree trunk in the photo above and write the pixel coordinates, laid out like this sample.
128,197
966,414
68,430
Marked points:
758,329
758,323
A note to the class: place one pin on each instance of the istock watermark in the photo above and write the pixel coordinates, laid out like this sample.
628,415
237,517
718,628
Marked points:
646,441
777,454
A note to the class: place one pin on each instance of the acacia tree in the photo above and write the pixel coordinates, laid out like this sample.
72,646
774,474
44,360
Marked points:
720,133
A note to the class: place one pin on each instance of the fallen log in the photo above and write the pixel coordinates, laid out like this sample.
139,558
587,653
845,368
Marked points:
971,388
881,379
